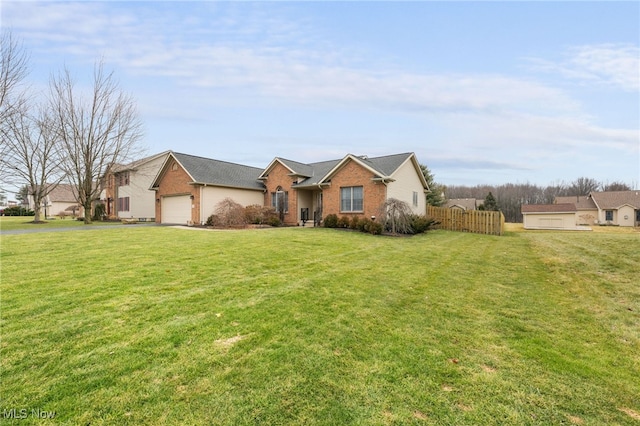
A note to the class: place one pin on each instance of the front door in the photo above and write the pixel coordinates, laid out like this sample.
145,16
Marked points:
637,217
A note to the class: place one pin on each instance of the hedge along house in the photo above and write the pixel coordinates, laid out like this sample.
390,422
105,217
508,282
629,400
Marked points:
351,186
188,188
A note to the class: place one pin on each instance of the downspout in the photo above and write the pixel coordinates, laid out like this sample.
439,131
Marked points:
202,204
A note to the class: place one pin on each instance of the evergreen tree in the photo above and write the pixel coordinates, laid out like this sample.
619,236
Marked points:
436,195
490,203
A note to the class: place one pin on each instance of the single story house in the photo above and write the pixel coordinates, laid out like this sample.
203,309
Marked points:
188,188
349,186
61,201
619,208
125,189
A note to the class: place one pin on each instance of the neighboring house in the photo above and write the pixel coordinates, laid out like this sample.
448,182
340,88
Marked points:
188,188
617,207
353,185
61,201
463,203
621,208
126,193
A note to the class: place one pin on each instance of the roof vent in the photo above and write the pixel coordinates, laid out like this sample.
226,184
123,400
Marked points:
364,157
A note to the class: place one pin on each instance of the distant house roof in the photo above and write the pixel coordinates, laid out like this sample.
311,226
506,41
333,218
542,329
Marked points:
549,208
464,203
215,172
318,173
616,199
581,202
61,193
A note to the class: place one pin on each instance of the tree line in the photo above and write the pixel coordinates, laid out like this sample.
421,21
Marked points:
63,135
510,197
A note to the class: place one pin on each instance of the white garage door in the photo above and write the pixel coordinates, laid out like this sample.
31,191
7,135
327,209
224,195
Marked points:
176,209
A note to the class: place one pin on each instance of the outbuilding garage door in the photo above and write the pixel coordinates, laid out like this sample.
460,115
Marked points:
176,209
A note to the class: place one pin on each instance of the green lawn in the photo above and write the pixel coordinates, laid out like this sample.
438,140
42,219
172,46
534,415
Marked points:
313,326
11,223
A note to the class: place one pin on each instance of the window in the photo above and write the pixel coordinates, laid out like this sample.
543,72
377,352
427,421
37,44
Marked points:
280,200
123,204
608,215
415,199
351,199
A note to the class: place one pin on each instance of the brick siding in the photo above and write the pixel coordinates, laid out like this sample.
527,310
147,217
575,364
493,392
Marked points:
353,174
279,176
176,182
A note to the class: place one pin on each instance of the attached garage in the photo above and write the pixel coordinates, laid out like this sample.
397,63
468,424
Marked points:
176,209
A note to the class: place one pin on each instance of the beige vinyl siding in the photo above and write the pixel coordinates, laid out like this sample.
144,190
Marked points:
210,196
549,220
406,182
626,216
141,199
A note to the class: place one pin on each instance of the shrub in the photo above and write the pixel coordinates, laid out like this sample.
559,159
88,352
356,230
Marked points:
99,211
274,220
331,221
421,223
18,211
343,222
257,215
229,213
212,220
355,222
375,228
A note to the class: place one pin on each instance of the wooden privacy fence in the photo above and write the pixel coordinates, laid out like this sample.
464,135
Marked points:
476,221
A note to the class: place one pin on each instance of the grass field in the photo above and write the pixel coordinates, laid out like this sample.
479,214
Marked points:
313,326
12,223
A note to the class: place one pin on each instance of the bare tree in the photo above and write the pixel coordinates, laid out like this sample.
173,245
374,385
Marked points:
94,132
31,154
583,186
13,70
395,215
616,186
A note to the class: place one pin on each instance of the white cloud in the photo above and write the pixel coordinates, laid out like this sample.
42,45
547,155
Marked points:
615,65
265,57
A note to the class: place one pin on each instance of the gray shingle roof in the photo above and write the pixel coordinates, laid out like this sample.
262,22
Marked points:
298,168
222,173
387,164
384,166
319,171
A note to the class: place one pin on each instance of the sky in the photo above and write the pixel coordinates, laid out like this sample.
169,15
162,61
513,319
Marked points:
482,92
